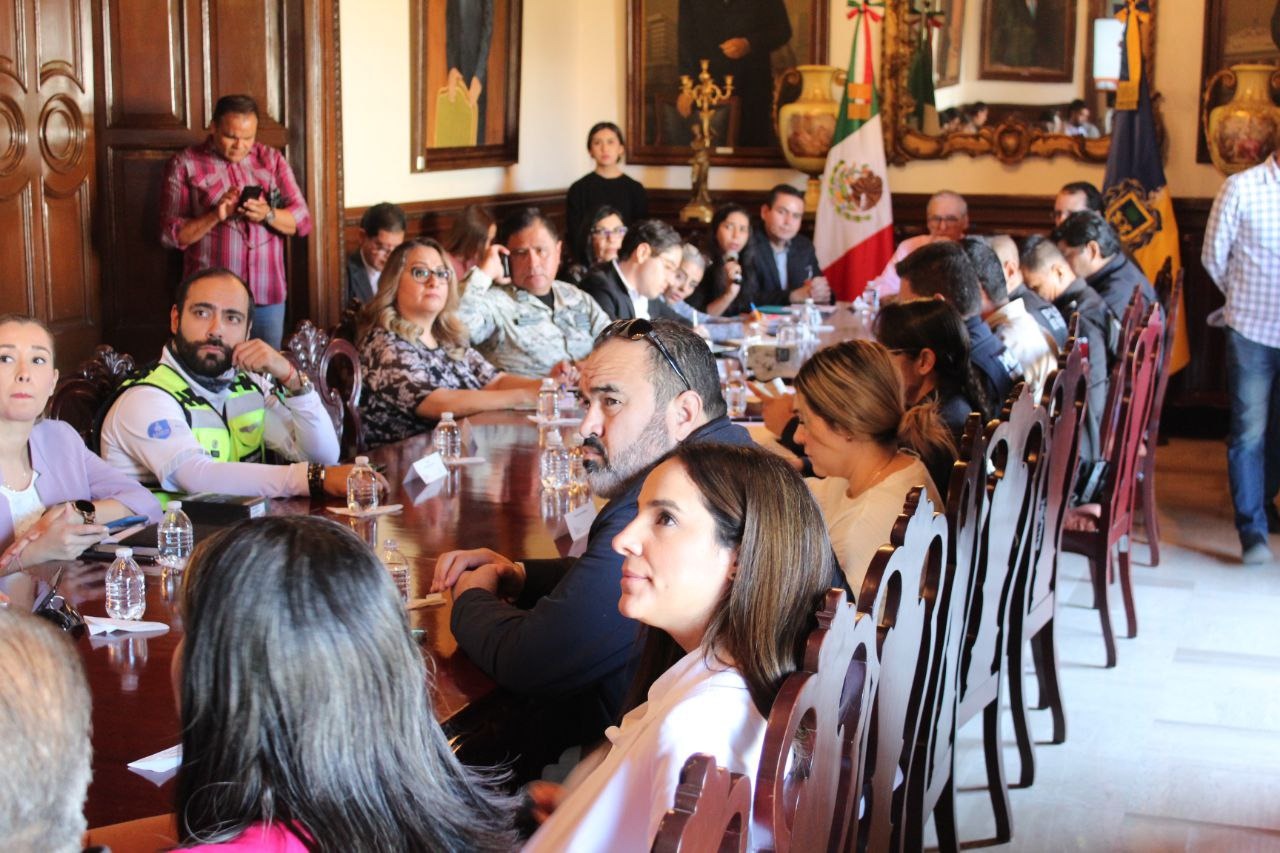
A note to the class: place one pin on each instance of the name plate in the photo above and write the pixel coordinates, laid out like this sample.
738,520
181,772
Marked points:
579,520
428,469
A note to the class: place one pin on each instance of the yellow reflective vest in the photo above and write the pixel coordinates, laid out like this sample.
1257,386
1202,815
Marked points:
234,435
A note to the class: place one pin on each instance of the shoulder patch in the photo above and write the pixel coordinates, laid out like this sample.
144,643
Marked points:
159,429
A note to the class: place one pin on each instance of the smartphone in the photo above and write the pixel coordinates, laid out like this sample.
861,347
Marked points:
127,521
506,265
252,191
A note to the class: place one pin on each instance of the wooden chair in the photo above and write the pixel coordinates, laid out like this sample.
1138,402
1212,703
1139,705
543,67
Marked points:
810,774
1169,289
333,365
1014,450
1109,534
711,812
930,788
80,397
900,592
1034,608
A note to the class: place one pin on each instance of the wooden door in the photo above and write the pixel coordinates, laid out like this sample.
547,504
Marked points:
47,262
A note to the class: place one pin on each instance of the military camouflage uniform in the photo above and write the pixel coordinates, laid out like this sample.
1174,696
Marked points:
518,333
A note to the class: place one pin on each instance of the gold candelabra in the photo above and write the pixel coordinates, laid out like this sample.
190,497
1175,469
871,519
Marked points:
705,95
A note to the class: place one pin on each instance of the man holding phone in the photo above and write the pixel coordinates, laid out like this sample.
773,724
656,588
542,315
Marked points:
231,202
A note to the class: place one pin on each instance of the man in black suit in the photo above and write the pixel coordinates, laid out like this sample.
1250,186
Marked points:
786,267
632,284
383,226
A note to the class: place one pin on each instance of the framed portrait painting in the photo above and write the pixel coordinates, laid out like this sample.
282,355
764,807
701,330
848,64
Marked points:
947,43
755,41
464,83
1028,40
1235,32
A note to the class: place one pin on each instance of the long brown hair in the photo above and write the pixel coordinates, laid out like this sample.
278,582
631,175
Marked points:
855,387
470,235
762,509
448,328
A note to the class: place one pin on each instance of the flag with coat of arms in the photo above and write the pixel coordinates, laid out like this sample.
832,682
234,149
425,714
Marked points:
1137,196
853,228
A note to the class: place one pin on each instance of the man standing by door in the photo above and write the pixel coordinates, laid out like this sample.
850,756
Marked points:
231,202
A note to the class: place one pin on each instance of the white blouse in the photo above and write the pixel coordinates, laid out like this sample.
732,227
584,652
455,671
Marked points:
692,707
24,506
859,526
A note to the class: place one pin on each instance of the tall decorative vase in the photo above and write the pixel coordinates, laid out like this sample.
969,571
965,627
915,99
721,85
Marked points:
1242,132
807,125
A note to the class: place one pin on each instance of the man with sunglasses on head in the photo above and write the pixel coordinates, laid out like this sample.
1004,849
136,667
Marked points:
532,325
648,386
201,418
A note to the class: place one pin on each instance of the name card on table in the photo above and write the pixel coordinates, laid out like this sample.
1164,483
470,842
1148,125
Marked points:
426,470
579,520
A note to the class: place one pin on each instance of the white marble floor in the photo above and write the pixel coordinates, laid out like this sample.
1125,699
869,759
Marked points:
1178,747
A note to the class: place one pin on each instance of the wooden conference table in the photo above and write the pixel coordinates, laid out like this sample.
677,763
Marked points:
497,504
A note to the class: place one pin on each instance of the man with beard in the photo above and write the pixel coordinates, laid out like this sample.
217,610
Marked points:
647,387
199,419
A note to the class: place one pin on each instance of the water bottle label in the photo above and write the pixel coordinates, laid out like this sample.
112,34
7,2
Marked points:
428,469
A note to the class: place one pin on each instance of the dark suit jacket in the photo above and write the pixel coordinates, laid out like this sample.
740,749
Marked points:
605,286
358,285
802,265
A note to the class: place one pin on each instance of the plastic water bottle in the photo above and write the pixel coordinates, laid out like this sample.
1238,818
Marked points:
548,401
578,483
812,318
448,438
174,538
362,487
126,587
397,565
735,395
554,464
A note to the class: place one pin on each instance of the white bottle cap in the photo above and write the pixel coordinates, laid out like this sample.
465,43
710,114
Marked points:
174,505
362,460
447,416
124,552
390,544
554,438
548,383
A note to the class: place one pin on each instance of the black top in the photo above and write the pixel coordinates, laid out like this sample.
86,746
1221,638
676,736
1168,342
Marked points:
1116,281
713,284
1100,328
591,192
1043,312
605,286
565,634
802,265
358,284
996,365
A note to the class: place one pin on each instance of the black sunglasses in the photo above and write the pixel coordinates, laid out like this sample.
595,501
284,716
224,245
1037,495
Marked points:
639,328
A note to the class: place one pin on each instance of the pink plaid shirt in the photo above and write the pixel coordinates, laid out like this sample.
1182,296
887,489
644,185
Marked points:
196,178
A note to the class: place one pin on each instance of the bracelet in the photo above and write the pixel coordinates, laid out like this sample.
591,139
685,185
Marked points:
315,479
271,216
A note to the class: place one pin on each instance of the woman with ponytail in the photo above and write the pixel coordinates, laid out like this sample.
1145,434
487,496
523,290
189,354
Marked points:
865,443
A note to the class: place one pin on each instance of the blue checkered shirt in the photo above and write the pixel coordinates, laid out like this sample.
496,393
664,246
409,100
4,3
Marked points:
1242,251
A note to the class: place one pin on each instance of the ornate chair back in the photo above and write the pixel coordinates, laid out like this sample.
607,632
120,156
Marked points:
711,811
811,764
1171,299
79,398
333,366
900,591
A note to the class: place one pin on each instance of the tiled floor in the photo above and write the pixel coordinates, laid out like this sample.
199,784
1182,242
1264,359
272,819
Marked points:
1178,747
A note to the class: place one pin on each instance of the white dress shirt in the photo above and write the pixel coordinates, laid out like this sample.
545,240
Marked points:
1242,251
640,304
693,707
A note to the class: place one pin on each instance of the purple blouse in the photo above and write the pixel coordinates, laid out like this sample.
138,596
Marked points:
69,471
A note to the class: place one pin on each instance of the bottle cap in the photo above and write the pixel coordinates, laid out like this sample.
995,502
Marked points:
554,439
124,552
549,383
390,544
446,416
362,460
174,505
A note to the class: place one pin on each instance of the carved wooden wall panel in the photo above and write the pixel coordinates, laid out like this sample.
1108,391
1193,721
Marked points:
154,91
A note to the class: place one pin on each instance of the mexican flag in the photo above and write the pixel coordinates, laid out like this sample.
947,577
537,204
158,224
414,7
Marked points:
853,230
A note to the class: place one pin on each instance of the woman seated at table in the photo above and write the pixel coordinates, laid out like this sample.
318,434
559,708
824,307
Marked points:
414,351
692,267
726,562
728,286
867,445
307,719
930,345
469,240
55,495
602,238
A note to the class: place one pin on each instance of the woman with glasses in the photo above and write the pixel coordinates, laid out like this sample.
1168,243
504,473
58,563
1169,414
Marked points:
307,720
728,285
606,185
603,240
415,354
725,564
866,445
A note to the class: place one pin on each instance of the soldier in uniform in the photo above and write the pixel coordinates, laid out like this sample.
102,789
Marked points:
532,325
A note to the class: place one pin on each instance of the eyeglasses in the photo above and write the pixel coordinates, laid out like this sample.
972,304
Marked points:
946,220
620,231
422,273
639,328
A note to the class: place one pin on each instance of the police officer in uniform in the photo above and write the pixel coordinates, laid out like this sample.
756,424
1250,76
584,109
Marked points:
200,418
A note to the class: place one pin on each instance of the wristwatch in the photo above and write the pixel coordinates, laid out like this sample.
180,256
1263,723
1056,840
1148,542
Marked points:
271,216
86,509
304,386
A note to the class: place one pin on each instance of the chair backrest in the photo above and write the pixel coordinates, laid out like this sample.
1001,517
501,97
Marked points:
1171,299
1064,403
711,810
333,365
1138,390
811,764
79,398
900,590
1015,448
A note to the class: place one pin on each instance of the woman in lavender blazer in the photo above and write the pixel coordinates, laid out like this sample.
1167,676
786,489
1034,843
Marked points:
44,465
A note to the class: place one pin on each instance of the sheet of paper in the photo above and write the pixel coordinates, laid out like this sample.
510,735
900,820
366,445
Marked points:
103,625
579,520
382,510
160,767
427,470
